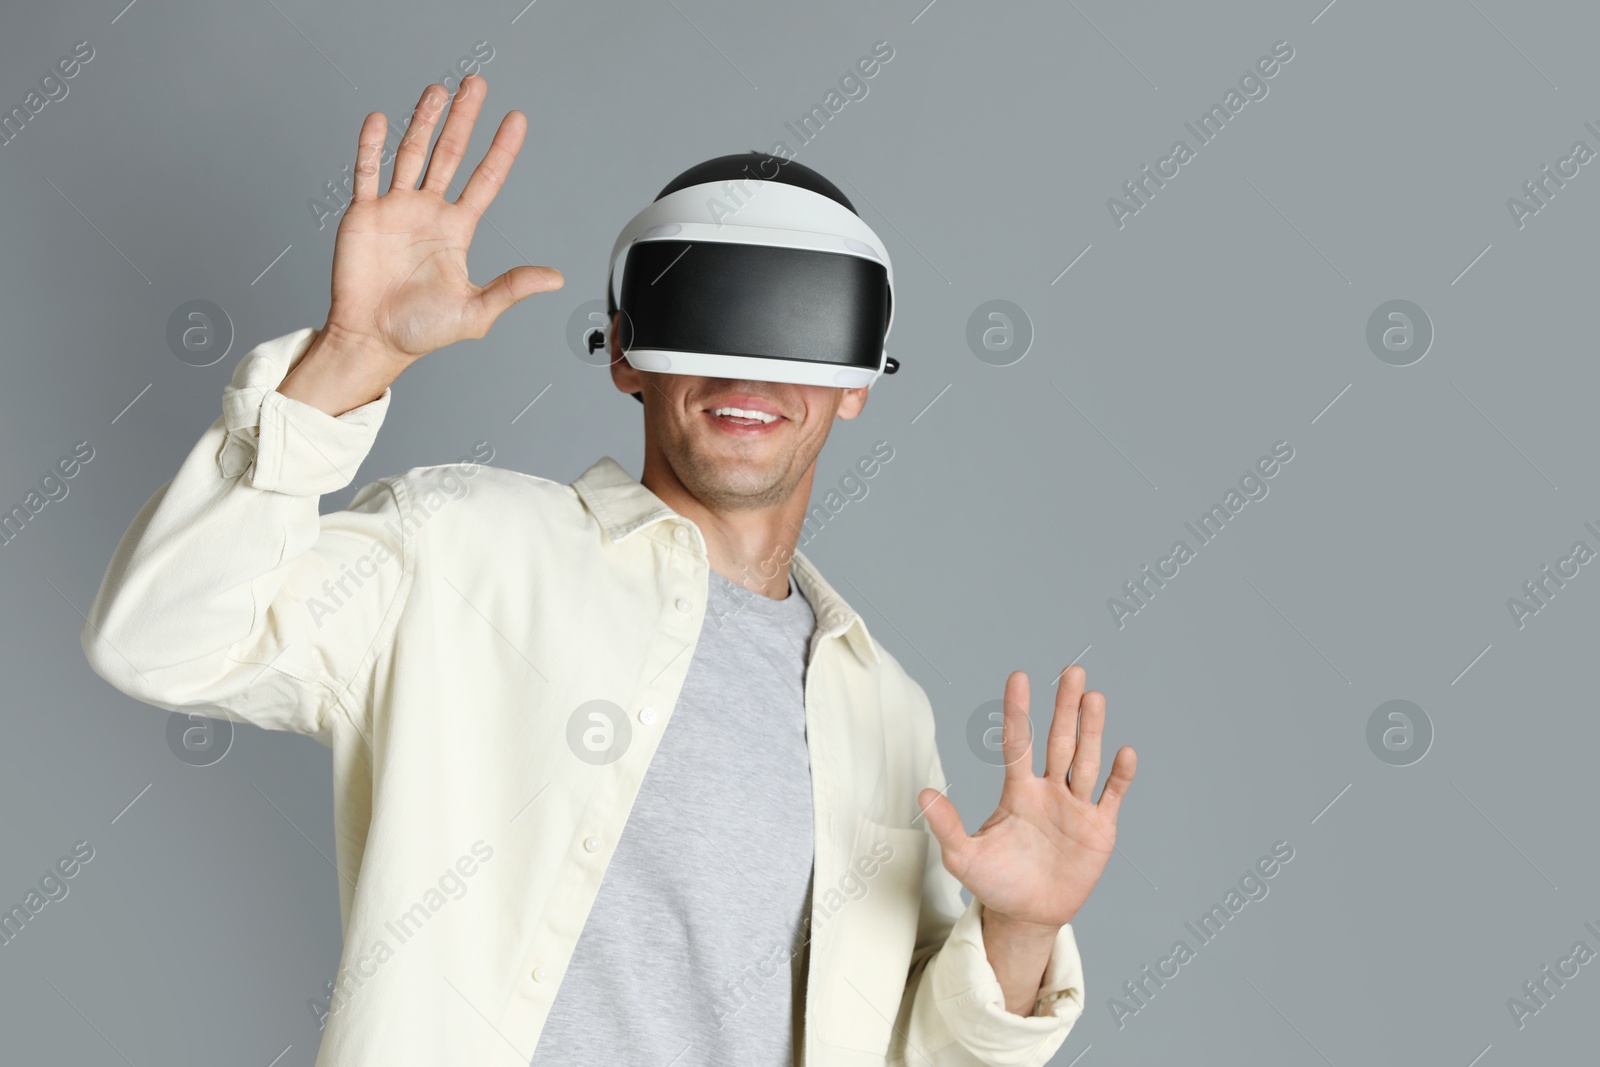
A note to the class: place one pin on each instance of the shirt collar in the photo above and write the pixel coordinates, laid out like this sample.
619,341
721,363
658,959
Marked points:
624,506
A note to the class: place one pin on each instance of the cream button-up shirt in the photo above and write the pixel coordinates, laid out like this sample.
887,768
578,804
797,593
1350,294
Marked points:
492,658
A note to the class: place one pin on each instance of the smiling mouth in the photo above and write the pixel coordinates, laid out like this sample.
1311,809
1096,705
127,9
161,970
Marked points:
743,422
744,415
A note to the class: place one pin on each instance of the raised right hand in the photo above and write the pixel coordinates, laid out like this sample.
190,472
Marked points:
400,260
400,284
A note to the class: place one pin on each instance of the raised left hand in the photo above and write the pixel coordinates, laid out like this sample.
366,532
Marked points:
1040,854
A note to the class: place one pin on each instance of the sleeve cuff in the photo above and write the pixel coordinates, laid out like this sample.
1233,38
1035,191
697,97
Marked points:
973,1004
282,444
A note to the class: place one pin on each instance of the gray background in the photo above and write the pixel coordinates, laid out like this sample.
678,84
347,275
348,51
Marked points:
1224,317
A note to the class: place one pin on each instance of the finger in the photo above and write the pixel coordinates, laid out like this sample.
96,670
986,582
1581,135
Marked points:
1016,731
514,286
414,144
1063,738
1118,781
369,156
492,170
1086,761
452,143
945,823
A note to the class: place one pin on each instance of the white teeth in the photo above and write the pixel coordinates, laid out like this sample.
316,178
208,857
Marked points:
741,413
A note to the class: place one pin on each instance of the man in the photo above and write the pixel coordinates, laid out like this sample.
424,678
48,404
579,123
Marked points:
495,660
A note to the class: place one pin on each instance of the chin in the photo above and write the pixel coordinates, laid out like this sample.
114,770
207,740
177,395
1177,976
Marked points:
719,480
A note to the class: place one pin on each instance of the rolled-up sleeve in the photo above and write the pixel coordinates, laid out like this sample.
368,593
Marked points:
282,444
229,590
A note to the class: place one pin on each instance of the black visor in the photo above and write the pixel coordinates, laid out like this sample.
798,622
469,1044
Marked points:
755,300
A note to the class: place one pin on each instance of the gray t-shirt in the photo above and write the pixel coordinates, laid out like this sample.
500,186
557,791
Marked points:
694,950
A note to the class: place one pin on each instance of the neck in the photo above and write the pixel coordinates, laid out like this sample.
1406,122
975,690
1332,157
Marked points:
750,547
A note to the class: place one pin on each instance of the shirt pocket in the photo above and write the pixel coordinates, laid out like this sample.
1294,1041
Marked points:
873,909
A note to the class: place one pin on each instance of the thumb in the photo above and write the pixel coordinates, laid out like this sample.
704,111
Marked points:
945,823
512,287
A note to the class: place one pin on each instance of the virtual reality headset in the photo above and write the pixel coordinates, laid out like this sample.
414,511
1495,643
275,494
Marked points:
776,279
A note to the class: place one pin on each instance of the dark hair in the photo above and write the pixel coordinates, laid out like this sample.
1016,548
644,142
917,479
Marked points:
759,166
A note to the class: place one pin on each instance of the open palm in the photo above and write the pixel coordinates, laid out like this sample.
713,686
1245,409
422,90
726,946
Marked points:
1040,854
400,281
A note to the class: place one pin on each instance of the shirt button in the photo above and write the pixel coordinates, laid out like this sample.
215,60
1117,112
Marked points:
647,715
684,606
592,844
681,533
540,974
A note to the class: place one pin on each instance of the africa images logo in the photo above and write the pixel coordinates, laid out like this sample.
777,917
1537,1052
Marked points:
1252,86
1252,486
